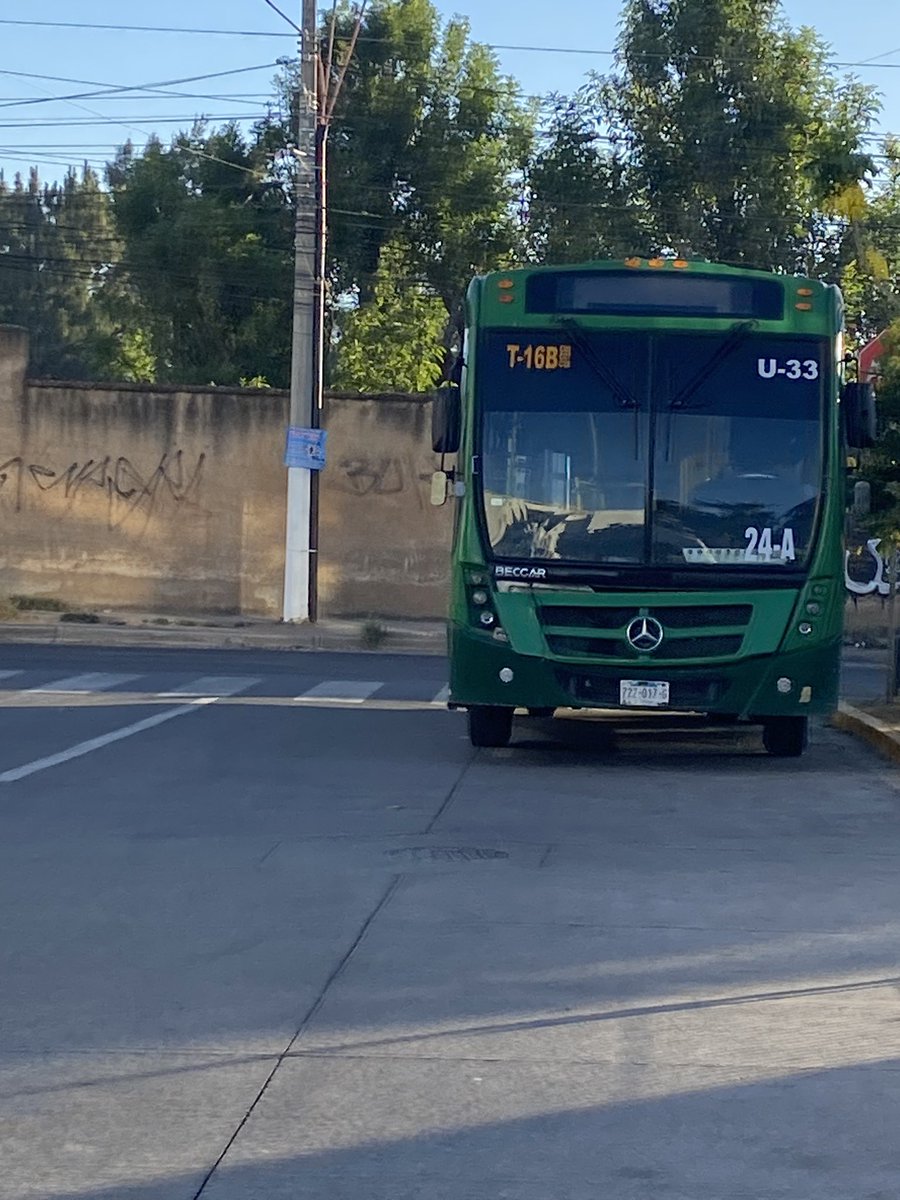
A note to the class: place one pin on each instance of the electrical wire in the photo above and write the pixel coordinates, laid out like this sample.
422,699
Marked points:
284,16
118,28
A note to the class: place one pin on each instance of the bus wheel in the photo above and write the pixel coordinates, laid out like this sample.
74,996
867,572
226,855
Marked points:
786,737
490,725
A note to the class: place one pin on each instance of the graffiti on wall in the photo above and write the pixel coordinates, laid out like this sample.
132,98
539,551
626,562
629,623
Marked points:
380,475
127,488
867,570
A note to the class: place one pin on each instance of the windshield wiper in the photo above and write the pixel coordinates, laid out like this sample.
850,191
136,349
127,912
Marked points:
620,393
736,337
599,367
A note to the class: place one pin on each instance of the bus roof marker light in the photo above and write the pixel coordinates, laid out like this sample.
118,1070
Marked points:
656,263
803,307
507,298
804,291
633,262
506,284
681,263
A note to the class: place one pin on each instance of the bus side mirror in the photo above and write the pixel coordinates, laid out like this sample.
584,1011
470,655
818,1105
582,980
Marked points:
440,484
858,408
446,419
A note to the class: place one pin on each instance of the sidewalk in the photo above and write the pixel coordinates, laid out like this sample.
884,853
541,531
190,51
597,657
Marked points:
877,724
224,633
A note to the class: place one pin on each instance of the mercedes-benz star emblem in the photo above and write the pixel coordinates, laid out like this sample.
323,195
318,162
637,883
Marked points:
645,634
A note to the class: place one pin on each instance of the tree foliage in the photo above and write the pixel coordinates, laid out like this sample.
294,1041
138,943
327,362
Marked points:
56,246
394,342
207,260
425,163
721,132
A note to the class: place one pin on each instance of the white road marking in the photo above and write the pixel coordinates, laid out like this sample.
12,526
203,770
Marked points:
9,674
214,685
92,682
350,691
443,696
97,743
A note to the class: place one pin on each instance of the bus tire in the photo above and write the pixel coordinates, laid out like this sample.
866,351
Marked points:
786,737
490,725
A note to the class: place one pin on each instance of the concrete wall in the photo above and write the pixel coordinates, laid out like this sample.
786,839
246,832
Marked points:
172,500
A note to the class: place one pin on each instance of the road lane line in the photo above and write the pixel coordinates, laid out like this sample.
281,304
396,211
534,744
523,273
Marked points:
97,743
94,681
352,691
215,685
10,674
443,696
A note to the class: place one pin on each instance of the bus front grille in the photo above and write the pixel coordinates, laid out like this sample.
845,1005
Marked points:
700,631
705,616
716,646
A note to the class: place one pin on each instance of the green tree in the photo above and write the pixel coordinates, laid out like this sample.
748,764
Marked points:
426,157
204,282
729,137
56,246
871,279
393,343
578,204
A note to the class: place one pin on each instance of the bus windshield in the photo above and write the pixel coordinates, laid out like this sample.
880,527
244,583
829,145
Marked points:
651,448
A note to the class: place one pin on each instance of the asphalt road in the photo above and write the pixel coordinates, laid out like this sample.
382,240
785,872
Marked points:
270,929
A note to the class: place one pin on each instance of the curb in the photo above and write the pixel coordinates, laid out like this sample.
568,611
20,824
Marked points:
397,641
883,737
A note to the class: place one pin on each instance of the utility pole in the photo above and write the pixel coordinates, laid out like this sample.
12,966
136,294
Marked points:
300,548
321,83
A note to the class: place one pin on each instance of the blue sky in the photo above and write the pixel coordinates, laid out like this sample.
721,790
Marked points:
41,130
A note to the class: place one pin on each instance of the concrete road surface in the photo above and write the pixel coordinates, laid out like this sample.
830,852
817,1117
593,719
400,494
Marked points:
270,929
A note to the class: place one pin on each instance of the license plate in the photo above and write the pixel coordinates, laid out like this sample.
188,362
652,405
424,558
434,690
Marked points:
643,693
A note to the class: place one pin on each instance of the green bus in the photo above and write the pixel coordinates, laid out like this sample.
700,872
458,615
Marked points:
649,486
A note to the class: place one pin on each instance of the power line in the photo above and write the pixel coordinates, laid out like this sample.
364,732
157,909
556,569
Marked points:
592,52
151,94
143,28
509,47
275,8
267,66
79,122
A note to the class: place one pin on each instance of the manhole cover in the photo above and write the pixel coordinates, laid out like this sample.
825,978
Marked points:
446,853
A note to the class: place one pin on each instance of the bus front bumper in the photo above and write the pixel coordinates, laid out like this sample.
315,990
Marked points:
800,683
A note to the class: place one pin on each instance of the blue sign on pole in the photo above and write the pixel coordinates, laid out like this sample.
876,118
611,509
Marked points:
305,448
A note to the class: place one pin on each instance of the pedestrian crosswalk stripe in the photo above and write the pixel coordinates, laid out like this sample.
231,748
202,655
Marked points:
443,696
352,691
214,685
92,682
